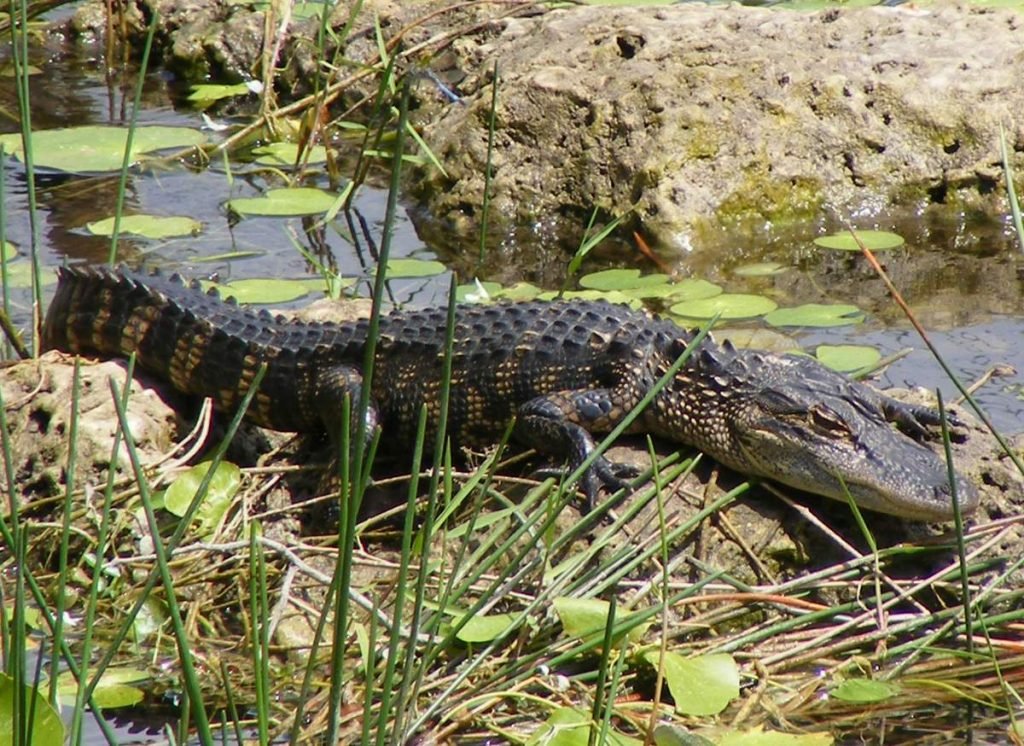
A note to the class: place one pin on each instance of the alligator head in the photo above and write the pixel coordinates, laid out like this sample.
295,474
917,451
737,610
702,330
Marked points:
791,420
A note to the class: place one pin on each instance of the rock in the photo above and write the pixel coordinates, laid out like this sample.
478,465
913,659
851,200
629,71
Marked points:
697,117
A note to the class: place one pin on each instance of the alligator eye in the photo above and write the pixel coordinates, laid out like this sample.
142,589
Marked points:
825,420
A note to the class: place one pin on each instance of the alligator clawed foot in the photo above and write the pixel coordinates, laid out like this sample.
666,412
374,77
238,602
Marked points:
610,475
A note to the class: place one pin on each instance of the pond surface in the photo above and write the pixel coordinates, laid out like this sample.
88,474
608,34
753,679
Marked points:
963,278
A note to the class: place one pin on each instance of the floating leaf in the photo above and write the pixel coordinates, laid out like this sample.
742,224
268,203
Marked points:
760,269
112,691
225,483
414,268
621,279
874,240
477,292
757,339
47,728
229,256
285,154
19,275
586,617
7,252
95,148
728,305
847,358
703,685
816,315
674,735
611,296
264,290
486,627
149,226
519,291
758,736
205,94
865,690
285,202
567,726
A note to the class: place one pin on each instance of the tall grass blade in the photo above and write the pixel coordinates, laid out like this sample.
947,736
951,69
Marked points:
1011,191
485,207
122,183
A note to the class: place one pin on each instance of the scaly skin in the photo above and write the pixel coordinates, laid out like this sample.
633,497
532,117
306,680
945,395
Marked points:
565,370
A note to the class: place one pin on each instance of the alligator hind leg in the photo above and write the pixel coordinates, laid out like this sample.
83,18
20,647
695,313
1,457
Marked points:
332,386
561,424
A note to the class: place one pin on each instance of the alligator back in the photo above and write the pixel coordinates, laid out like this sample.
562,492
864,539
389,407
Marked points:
504,354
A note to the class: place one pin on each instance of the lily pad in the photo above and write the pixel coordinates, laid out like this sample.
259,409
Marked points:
727,305
874,240
46,727
760,269
148,226
621,279
477,292
816,315
285,202
586,617
223,486
848,358
19,275
519,291
486,627
414,268
264,290
568,726
865,690
95,148
7,252
205,94
702,685
113,690
285,154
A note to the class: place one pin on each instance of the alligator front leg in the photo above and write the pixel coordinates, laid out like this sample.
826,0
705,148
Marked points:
561,424
914,419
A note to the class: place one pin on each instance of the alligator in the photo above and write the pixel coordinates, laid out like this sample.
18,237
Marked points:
562,370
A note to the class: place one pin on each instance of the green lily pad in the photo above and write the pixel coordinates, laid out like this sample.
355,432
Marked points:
95,148
760,269
414,268
205,94
586,617
702,685
477,292
757,338
285,202
148,226
621,279
47,727
113,690
865,690
285,154
567,726
848,358
264,290
19,275
519,291
486,627
874,240
816,315
223,487
727,305
612,296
